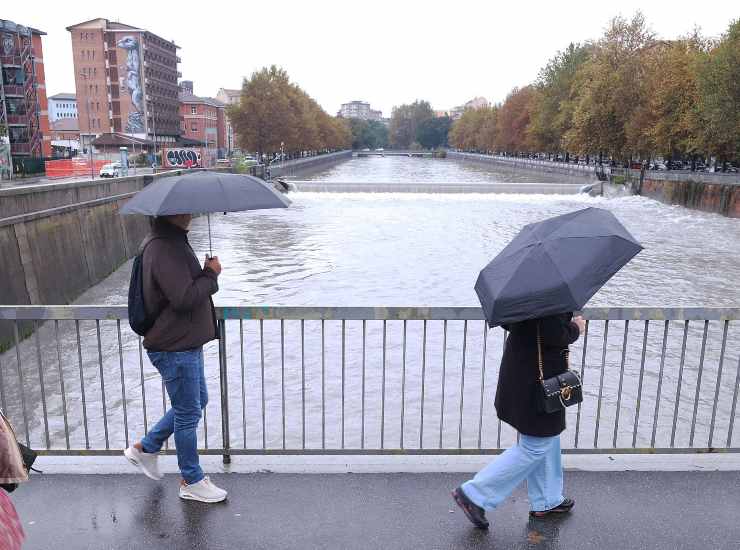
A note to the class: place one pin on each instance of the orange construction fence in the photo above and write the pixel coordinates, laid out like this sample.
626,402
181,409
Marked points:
67,168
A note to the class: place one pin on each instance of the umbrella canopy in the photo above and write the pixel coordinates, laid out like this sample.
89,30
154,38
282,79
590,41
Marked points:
554,266
203,193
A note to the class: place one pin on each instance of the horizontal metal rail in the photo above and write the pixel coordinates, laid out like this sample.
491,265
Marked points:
370,380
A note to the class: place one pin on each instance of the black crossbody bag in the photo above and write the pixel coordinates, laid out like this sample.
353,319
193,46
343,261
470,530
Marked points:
560,391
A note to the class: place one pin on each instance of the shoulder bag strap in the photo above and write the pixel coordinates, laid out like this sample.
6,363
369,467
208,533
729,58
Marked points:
539,352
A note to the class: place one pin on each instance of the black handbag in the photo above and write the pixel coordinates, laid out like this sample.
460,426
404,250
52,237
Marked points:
556,393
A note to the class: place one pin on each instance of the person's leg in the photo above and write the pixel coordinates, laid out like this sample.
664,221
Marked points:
184,389
152,442
545,482
203,387
496,481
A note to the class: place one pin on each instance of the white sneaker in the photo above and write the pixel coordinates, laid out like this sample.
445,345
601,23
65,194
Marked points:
146,462
203,491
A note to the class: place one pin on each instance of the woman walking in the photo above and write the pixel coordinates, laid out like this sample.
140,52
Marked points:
536,457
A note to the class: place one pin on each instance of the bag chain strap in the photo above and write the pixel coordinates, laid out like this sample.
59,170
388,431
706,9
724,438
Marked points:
539,354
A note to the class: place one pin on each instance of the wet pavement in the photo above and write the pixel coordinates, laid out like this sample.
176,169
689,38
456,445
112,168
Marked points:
618,510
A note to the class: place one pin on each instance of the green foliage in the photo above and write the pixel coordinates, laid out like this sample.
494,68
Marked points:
368,134
405,121
433,132
718,79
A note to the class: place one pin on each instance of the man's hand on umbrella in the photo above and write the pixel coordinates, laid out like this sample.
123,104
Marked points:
213,264
581,322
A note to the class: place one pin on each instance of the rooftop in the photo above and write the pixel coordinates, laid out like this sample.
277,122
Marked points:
63,95
10,26
186,97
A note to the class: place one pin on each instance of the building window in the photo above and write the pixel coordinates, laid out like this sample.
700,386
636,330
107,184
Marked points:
193,110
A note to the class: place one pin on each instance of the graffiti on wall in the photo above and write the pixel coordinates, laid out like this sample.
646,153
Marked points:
131,83
182,158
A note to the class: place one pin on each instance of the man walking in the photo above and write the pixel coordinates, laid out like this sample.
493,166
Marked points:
178,291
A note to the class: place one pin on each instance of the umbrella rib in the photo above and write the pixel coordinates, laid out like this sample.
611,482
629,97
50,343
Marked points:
555,265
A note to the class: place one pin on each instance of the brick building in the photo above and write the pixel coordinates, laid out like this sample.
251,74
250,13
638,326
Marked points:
203,120
126,80
23,104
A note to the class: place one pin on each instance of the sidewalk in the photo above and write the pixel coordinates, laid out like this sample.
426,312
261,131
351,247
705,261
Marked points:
620,510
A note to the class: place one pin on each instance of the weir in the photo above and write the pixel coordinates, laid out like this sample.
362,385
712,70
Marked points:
421,187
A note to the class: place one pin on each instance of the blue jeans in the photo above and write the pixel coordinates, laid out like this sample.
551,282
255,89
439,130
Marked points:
536,459
184,378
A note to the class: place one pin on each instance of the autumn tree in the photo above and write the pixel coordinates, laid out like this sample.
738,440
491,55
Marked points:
513,120
718,79
611,89
670,110
554,98
276,114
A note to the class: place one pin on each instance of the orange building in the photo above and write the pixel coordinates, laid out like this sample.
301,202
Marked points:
126,80
24,110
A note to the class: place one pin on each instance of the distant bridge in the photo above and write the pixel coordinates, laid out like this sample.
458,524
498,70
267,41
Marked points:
393,153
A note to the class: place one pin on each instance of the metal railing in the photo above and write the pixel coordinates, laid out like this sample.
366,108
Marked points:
354,380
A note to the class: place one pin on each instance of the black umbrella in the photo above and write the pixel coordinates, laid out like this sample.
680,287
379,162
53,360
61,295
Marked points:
554,266
203,193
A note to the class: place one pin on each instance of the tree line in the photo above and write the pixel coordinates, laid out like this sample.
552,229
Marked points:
626,96
415,126
276,115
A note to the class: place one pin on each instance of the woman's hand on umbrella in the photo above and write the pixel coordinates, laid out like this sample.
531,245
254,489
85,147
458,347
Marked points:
213,264
581,322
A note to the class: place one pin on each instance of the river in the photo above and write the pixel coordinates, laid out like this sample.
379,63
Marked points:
388,249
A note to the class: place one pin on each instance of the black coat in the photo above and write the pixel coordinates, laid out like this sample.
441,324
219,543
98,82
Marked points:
519,374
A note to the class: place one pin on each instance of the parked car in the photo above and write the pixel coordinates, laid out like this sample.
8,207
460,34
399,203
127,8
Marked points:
111,170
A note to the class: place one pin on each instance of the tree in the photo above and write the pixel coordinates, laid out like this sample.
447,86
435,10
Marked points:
276,115
405,121
433,132
611,89
554,99
718,78
264,119
370,134
513,120
670,112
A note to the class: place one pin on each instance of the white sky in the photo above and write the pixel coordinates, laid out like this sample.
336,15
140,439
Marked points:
385,52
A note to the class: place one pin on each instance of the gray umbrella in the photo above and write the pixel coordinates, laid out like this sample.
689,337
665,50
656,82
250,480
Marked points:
203,193
554,266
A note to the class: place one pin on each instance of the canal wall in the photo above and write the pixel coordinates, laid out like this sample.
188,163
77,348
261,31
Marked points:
58,240
304,166
586,173
708,192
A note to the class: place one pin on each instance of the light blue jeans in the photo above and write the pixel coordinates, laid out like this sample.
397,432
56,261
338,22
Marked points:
184,378
536,459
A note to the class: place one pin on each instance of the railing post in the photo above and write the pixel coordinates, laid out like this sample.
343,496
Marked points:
223,377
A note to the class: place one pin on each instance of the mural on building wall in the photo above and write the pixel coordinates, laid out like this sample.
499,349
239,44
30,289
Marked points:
132,112
182,158
8,44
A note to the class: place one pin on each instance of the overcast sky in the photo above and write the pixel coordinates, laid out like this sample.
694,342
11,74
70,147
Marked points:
385,52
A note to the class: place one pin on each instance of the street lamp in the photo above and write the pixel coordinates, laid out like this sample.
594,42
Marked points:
89,144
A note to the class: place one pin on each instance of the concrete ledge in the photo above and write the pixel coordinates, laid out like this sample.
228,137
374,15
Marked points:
391,464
